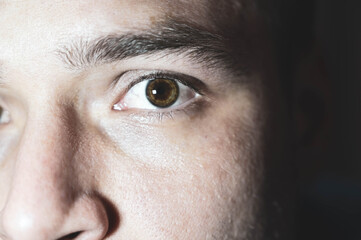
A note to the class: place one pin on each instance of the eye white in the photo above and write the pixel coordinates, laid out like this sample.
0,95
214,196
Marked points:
136,97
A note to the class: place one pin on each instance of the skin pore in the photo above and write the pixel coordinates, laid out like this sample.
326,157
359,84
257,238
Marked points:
74,166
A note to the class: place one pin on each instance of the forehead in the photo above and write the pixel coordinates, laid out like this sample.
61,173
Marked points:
33,27
89,14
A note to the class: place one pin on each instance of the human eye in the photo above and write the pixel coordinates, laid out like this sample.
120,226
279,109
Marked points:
160,92
4,116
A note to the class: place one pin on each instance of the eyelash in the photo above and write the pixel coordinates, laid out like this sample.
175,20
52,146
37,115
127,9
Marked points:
173,76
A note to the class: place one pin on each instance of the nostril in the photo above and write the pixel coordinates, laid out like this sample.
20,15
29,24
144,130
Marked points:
70,236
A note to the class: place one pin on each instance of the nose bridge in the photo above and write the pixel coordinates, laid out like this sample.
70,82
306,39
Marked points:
43,183
47,144
45,152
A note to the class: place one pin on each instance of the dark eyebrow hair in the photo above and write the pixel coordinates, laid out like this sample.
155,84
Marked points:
171,37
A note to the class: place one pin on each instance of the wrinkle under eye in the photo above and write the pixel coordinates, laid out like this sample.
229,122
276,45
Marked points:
162,92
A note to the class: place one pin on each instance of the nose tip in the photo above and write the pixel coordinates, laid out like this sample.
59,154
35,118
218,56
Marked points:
86,219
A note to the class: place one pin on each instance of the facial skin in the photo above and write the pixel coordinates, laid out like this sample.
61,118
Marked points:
84,155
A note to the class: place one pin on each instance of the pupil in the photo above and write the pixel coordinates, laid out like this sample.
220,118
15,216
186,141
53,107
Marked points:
162,92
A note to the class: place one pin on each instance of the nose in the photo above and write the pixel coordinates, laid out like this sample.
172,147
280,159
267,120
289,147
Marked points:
46,200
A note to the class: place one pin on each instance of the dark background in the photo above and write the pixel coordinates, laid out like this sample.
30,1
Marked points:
326,47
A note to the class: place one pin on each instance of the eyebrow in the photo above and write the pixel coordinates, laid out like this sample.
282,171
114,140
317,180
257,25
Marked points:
169,38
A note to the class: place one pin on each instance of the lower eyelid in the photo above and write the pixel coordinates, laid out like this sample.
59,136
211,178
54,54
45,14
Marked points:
195,108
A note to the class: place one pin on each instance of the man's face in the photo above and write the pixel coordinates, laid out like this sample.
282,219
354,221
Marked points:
125,120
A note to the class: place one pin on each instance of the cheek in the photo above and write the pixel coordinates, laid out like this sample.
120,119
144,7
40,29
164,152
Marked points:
8,141
189,178
191,201
5,176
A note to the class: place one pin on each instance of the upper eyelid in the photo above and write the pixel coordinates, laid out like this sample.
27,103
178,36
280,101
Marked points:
189,81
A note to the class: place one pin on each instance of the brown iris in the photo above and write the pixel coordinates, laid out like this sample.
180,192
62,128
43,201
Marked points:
162,92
